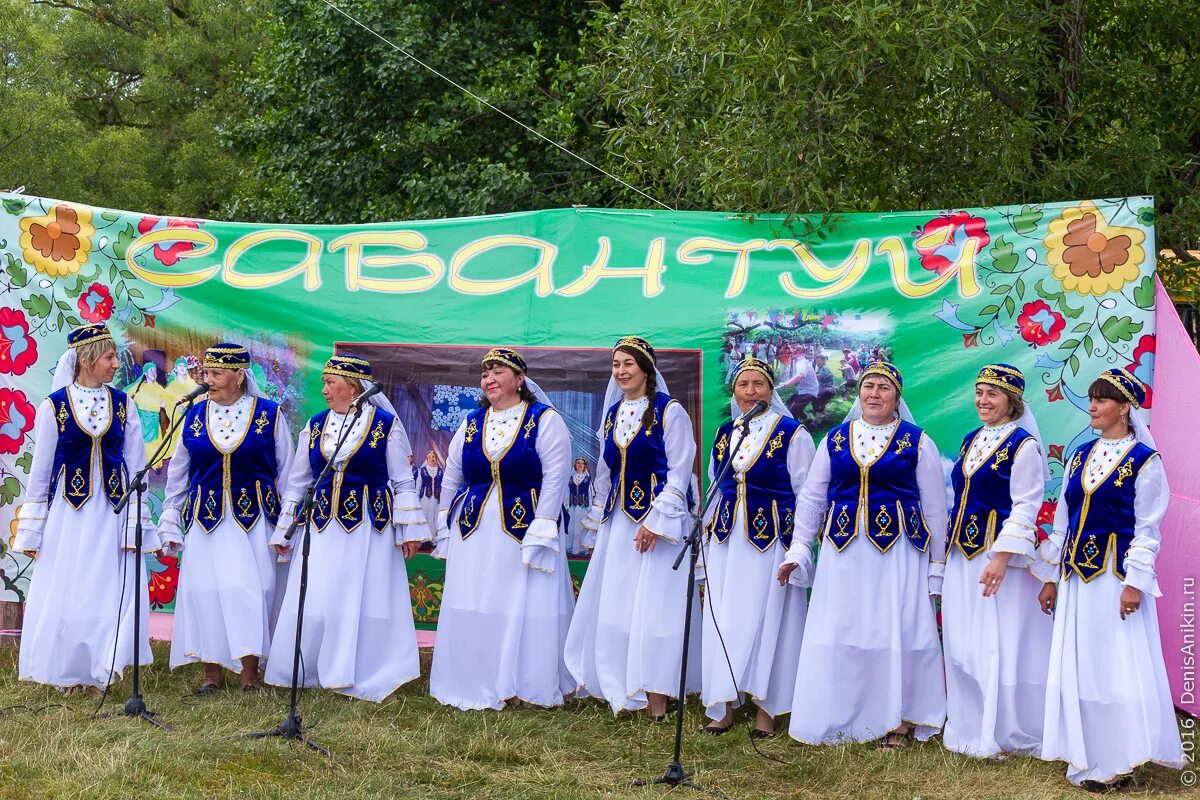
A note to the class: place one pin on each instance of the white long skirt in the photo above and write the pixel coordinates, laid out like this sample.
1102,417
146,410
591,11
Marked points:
358,637
502,625
81,599
761,623
870,659
575,530
429,507
1108,704
626,638
226,593
997,653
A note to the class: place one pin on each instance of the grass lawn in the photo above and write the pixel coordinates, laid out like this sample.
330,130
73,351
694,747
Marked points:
413,747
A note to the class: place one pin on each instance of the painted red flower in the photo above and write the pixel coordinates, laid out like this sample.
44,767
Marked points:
1055,393
1039,324
971,339
18,350
1143,364
1056,453
941,241
95,303
164,580
16,419
1045,520
167,256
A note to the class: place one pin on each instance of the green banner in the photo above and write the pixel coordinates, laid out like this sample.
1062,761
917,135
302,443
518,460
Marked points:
1061,290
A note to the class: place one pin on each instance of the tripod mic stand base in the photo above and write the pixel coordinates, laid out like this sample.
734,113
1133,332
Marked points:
290,729
135,706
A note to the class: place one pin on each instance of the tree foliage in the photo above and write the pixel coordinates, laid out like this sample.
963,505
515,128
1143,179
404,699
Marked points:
343,127
117,102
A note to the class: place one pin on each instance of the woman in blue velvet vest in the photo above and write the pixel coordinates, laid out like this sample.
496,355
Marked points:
507,600
358,636
1108,703
997,645
871,661
88,441
627,634
223,495
748,533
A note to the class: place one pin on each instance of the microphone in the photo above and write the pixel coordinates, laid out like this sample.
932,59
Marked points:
192,395
759,409
373,389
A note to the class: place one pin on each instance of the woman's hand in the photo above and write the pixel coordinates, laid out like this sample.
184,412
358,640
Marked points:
410,549
785,572
645,540
1131,601
1048,598
993,574
282,549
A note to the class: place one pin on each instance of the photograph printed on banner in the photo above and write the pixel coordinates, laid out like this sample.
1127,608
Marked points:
817,357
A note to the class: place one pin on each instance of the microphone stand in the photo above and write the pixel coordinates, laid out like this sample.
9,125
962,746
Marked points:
135,706
676,775
292,728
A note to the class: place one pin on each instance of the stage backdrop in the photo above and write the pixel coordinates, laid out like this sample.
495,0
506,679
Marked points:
1062,290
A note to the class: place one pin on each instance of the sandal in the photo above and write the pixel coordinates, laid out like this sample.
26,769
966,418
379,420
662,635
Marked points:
715,730
213,678
893,741
757,733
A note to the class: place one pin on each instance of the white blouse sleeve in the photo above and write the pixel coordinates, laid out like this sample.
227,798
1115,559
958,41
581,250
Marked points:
1151,498
540,546
170,525
670,518
1047,566
600,488
135,461
811,505
31,518
800,457
1026,487
931,482
451,480
408,521
299,478
283,450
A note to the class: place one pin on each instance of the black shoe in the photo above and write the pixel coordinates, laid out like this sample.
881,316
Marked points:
715,730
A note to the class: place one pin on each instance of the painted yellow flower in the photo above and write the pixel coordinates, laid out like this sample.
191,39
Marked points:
1088,255
12,528
59,242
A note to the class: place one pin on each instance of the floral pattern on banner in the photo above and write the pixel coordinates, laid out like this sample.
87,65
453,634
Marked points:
1073,282
61,265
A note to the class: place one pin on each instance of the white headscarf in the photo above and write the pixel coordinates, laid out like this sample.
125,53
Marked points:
1141,426
538,393
64,370
1027,422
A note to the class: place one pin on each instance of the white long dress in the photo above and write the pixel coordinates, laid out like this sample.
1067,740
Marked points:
761,622
358,637
578,537
871,658
429,505
80,597
1108,703
626,637
997,648
227,577
506,605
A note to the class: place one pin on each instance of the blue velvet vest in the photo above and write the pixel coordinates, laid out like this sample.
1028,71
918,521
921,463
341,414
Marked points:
982,500
515,475
361,486
639,469
581,493
246,473
766,498
1102,521
429,486
886,490
77,451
